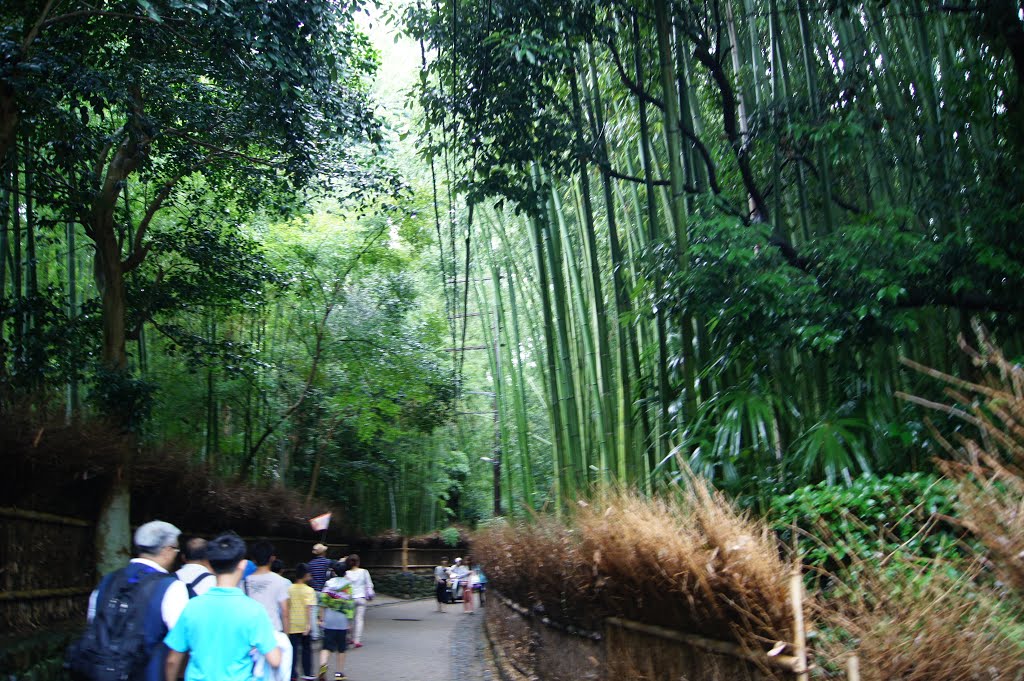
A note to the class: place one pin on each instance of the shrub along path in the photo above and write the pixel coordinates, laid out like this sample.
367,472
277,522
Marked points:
410,641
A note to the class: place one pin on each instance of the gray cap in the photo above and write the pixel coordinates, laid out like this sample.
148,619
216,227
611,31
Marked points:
155,535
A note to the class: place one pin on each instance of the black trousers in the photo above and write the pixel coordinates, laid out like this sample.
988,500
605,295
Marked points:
305,643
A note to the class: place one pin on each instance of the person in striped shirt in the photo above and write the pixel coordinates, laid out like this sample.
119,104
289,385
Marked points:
318,567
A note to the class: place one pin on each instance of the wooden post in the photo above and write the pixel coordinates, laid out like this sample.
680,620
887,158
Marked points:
405,554
853,668
796,589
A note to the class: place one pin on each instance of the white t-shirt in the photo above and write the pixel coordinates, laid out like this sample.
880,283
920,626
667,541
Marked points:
271,591
361,581
189,572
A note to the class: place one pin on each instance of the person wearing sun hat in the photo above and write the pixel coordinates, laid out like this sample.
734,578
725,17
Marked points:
318,567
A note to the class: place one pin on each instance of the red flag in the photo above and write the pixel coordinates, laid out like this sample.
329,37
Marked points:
320,522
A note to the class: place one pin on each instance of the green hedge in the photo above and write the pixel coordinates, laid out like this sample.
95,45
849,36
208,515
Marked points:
405,584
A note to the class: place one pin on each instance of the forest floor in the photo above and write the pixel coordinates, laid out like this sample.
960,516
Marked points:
411,641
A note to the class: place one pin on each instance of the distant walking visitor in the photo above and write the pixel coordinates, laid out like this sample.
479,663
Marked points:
301,599
362,592
460,585
441,577
318,566
271,591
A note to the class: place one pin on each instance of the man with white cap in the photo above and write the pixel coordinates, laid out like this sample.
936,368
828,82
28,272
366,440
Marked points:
318,567
156,598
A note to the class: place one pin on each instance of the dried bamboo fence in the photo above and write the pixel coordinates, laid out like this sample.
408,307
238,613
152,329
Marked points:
46,569
527,646
406,558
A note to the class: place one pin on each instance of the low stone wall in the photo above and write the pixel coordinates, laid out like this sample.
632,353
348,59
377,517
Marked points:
413,584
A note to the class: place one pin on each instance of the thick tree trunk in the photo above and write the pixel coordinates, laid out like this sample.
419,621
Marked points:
114,356
113,527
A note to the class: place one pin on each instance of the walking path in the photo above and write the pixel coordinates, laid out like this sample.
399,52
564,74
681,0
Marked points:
410,641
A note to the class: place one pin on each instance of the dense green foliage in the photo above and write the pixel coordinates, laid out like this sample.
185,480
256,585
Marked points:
204,237
870,519
720,224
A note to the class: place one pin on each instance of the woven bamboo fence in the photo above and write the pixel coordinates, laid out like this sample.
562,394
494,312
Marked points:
528,646
46,569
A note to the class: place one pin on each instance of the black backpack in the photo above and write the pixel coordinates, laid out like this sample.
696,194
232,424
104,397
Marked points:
113,647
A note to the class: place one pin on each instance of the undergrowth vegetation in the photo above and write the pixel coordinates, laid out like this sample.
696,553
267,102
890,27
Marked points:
915,613
869,519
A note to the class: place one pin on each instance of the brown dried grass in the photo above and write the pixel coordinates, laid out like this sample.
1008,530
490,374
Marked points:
917,619
691,562
922,620
989,467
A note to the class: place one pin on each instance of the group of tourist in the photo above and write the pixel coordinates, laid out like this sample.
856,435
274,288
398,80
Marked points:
226,611
462,579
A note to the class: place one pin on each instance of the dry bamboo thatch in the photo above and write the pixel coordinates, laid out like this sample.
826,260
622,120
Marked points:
990,467
66,468
915,619
692,563
920,620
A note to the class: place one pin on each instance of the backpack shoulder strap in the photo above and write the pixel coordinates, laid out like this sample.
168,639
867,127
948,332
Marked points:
195,582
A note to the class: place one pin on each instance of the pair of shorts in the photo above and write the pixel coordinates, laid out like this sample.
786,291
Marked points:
336,640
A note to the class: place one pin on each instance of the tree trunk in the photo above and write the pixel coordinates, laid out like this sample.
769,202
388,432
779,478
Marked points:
8,118
113,528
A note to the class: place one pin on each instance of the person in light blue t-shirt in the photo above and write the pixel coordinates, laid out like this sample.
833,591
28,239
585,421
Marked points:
227,634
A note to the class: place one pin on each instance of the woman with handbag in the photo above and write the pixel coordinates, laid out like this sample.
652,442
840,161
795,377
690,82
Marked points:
362,592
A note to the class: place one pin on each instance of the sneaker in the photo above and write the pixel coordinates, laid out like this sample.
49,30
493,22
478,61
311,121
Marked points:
357,645
323,672
339,677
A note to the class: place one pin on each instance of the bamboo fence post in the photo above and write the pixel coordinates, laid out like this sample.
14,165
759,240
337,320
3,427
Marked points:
853,668
796,587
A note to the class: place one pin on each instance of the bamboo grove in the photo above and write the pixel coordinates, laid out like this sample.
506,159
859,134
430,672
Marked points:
703,233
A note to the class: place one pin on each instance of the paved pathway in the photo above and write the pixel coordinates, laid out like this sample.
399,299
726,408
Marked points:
409,641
